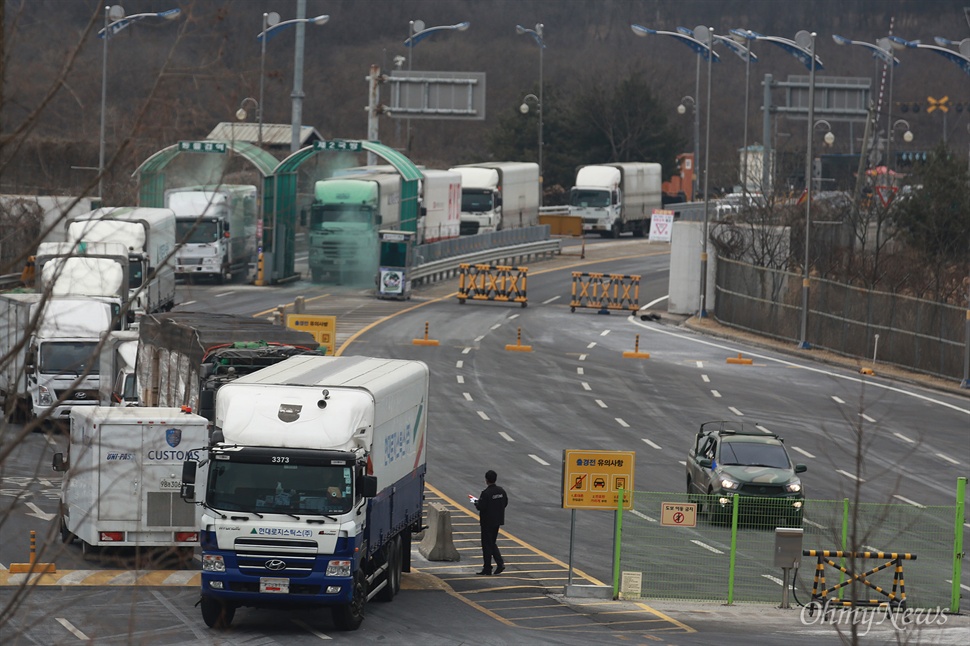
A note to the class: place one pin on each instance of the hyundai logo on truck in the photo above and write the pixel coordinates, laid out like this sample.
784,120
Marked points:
275,564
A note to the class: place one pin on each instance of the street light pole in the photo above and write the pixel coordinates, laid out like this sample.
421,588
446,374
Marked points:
537,35
809,46
115,21
682,109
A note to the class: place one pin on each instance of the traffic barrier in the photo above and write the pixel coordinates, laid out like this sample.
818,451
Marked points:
438,543
894,599
425,340
260,268
605,292
636,354
518,347
492,283
32,566
740,359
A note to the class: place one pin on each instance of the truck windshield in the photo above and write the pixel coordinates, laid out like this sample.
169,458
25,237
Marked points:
473,201
136,273
280,488
71,357
345,213
196,231
581,197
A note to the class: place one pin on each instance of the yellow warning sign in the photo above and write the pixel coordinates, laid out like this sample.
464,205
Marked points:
323,328
593,479
678,514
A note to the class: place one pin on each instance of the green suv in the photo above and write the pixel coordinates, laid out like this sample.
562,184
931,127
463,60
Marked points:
729,458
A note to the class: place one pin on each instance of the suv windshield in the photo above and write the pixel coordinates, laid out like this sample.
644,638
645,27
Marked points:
754,454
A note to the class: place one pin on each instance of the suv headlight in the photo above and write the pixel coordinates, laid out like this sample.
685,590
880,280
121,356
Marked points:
794,486
729,483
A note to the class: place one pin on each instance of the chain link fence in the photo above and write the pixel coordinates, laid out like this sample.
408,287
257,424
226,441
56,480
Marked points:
724,559
919,335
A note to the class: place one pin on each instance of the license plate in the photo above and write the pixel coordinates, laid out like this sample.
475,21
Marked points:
274,586
170,485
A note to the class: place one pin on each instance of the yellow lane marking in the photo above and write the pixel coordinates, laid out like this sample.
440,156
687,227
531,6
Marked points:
124,578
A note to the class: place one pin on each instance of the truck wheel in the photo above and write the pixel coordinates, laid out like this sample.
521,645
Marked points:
349,617
316,275
615,231
393,573
217,614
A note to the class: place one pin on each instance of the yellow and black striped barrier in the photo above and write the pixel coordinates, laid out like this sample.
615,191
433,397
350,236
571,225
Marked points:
896,598
605,292
493,283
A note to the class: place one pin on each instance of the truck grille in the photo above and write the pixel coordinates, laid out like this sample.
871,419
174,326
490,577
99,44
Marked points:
255,555
77,395
762,490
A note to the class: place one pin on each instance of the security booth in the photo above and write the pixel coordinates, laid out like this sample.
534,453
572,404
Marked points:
396,257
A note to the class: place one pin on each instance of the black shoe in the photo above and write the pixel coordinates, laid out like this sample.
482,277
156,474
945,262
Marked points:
483,573
500,569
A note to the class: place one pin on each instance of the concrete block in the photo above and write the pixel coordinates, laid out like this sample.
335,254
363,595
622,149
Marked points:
438,543
589,591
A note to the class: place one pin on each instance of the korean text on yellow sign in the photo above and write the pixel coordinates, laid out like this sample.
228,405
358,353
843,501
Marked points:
593,479
323,328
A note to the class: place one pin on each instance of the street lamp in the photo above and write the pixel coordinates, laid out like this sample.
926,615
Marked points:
537,36
416,33
114,21
701,41
961,58
907,137
682,109
828,138
271,27
748,36
524,109
241,113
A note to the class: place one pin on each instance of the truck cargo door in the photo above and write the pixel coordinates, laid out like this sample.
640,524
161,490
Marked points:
119,472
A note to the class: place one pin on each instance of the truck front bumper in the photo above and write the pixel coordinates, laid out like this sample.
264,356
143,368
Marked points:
317,589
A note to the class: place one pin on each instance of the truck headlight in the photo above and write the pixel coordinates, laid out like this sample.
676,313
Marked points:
729,483
794,486
338,568
44,396
213,563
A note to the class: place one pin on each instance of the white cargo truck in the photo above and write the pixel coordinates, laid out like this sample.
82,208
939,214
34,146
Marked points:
216,230
95,269
498,195
119,386
49,351
619,198
312,486
122,474
149,236
440,205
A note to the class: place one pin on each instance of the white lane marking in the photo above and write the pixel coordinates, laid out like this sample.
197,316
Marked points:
706,546
549,300
513,317
496,326
653,444
814,524
965,587
580,371
586,386
715,393
773,578
538,459
705,379
867,418
459,363
38,512
682,462
313,631
619,420
582,357
735,411
908,501
601,403
71,629
604,332
837,400
461,379
811,368
643,516
466,350
50,440
483,415
478,339
904,438
762,428
468,396
699,364
224,294
191,624
506,436
803,452
187,303
849,475
591,345
947,458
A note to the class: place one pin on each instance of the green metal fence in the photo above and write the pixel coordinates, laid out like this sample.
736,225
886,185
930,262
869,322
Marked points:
728,554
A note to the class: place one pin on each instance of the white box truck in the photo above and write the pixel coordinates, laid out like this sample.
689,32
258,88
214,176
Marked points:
149,236
49,354
215,230
440,206
617,198
122,474
118,384
312,486
97,270
498,195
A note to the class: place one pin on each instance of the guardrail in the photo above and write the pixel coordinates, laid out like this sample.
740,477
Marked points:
9,281
512,255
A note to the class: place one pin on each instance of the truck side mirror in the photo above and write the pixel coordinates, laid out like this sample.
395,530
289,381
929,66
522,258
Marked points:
704,462
367,486
188,481
30,359
59,463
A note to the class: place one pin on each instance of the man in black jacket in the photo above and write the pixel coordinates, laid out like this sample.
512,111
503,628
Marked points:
491,506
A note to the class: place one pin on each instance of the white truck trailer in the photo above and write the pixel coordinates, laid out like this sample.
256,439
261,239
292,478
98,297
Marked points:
49,354
122,478
97,270
617,198
216,230
118,384
312,486
440,205
498,195
149,236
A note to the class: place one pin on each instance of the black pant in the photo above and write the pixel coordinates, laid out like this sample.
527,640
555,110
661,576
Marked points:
490,548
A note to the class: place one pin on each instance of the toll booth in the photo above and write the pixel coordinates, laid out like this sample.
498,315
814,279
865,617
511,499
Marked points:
396,258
